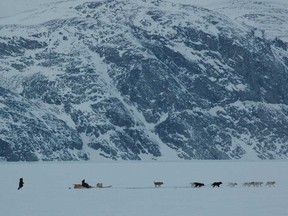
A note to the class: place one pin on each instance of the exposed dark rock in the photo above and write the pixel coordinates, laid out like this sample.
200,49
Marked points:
107,82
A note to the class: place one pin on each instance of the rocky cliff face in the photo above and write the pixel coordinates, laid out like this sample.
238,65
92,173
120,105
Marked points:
29,132
137,79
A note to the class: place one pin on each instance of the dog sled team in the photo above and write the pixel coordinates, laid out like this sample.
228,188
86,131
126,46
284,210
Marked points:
234,184
158,184
230,184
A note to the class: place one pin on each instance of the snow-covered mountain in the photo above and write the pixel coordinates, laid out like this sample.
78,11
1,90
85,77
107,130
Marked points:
144,79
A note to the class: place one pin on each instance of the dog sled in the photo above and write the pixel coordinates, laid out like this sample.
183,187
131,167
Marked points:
98,185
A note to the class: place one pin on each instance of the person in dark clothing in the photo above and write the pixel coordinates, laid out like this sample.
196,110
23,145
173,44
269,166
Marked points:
21,183
86,185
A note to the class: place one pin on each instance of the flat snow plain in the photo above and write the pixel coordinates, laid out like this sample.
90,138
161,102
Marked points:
46,191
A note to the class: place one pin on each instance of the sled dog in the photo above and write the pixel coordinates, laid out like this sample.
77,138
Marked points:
232,184
216,184
197,184
158,184
270,183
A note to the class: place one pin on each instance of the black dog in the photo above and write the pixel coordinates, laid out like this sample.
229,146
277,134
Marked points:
197,184
158,184
216,184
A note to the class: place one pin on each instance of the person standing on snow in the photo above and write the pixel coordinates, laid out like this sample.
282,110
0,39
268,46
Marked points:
21,183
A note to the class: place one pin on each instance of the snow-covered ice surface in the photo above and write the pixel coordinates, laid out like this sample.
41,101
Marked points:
46,191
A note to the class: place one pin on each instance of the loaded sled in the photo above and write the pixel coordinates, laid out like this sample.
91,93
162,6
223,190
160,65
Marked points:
98,185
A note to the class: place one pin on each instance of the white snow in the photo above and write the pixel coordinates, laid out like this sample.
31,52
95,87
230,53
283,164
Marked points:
35,11
46,190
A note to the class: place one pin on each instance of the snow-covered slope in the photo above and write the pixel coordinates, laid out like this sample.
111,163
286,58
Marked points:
147,79
267,17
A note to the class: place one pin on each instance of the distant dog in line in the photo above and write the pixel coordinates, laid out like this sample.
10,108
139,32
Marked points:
216,184
270,183
197,184
254,184
247,184
158,183
232,184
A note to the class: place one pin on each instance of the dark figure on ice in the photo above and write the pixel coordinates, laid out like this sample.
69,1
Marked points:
197,184
158,184
216,184
21,183
84,184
